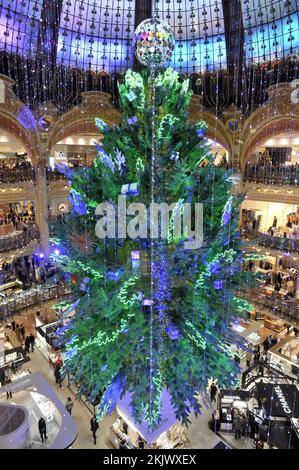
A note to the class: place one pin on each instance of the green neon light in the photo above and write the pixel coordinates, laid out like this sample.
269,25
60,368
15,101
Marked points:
243,305
157,403
96,274
202,343
139,165
179,206
123,293
229,257
101,339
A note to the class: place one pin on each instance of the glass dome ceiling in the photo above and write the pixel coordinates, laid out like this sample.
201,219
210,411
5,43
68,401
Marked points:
97,34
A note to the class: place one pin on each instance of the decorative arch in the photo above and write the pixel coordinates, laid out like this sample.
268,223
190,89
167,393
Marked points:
217,130
17,119
278,125
11,125
81,119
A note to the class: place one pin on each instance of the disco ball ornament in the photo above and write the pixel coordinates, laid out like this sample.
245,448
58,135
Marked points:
153,43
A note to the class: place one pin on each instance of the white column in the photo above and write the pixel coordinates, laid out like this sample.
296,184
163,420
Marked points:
41,206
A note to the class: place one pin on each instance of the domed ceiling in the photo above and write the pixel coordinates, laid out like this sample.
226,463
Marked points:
98,34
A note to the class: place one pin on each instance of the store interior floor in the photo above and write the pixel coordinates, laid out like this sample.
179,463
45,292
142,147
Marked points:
24,399
198,433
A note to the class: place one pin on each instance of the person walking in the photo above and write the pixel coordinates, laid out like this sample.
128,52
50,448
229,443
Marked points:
32,341
213,392
94,426
237,425
42,427
69,405
13,325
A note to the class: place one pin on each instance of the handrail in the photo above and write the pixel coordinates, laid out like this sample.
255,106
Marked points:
13,242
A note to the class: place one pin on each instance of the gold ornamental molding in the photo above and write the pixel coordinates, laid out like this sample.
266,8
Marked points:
81,119
16,118
278,115
217,130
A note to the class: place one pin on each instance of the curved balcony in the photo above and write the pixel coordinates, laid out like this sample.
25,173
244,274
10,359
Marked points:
19,239
268,174
20,175
37,295
16,175
289,245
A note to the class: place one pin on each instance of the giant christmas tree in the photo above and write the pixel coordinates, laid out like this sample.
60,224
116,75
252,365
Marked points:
151,314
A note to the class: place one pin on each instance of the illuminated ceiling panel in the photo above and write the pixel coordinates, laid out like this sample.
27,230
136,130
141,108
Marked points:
98,34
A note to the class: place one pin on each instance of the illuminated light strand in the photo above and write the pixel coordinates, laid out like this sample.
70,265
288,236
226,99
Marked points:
139,165
123,293
227,209
229,257
169,120
89,270
179,206
157,402
202,343
65,261
98,340
243,305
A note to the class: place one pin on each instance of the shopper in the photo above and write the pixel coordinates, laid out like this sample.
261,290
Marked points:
140,443
69,405
213,391
58,377
244,425
248,358
266,345
27,344
94,426
13,325
42,427
263,432
237,425
22,331
32,341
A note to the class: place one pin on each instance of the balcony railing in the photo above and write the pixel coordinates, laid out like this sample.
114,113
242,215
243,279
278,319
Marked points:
30,297
20,240
20,175
272,242
16,175
269,174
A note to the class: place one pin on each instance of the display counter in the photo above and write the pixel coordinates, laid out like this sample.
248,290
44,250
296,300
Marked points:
285,356
46,342
9,353
125,432
230,401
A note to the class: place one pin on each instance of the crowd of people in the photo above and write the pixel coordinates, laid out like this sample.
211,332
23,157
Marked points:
22,269
15,170
21,216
